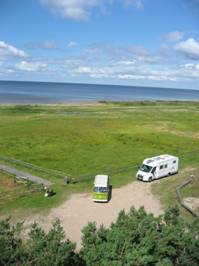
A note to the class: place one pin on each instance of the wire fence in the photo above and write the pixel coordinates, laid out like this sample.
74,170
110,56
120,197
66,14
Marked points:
128,167
87,176
35,188
34,167
180,197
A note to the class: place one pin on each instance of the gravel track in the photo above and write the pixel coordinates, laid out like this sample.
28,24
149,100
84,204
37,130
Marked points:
20,174
77,211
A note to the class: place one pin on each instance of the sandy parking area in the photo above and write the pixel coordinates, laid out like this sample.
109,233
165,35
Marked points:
76,212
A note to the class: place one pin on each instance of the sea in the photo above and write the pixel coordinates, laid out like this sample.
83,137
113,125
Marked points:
21,92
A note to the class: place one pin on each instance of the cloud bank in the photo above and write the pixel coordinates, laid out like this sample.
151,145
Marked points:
7,50
81,10
108,62
190,48
31,66
72,9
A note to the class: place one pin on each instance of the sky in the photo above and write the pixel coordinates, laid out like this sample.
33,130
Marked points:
127,42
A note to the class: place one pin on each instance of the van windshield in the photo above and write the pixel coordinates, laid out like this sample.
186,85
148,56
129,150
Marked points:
145,168
101,189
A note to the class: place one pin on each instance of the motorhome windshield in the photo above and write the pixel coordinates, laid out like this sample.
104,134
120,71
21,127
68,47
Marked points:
100,189
145,168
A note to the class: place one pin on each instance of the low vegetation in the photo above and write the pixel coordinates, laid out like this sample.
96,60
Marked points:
11,188
165,189
136,238
109,138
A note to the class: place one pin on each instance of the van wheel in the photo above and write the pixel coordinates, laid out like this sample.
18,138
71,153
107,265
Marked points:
150,179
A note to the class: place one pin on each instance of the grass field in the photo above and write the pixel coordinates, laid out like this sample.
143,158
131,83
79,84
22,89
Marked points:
105,138
12,190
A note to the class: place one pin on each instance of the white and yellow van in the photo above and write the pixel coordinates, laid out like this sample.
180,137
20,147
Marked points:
101,188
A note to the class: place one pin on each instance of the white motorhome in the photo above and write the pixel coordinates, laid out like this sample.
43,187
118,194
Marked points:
157,167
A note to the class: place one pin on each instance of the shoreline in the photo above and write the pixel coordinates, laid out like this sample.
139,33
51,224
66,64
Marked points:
98,103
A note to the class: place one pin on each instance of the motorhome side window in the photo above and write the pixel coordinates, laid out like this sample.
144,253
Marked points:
161,167
165,166
153,171
174,161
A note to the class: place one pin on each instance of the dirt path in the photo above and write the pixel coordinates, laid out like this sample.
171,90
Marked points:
76,212
24,175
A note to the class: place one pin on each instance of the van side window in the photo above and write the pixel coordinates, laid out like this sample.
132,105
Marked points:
174,161
161,167
165,166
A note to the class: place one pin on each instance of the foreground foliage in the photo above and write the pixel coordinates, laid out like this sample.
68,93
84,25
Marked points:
40,249
139,238
136,238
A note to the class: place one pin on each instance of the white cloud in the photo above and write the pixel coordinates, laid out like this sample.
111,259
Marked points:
135,3
189,48
118,71
125,62
174,36
102,60
31,66
112,62
7,50
136,70
106,51
72,44
93,72
81,9
73,9
189,66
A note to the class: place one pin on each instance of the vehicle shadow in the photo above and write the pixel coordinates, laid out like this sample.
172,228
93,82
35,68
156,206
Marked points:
110,193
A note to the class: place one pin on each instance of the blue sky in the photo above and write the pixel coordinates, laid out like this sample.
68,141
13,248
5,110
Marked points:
130,42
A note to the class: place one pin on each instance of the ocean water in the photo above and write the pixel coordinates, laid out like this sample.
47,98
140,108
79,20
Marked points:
17,92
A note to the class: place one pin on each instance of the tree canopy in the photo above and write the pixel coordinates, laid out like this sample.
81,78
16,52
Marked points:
136,238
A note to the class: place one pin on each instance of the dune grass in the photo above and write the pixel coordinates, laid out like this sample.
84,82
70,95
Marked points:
85,140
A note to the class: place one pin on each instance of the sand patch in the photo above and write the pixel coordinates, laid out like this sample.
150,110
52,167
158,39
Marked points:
76,212
192,203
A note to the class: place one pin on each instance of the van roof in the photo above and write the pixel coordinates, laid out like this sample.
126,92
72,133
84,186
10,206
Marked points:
159,159
101,181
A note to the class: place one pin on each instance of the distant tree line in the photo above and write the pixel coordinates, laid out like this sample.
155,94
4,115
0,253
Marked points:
136,238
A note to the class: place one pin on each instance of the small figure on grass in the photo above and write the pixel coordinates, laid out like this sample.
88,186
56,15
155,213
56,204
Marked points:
48,192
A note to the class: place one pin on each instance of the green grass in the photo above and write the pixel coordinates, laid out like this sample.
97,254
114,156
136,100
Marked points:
192,190
165,189
85,140
12,192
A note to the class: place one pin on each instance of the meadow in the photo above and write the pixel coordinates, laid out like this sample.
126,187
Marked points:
109,138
